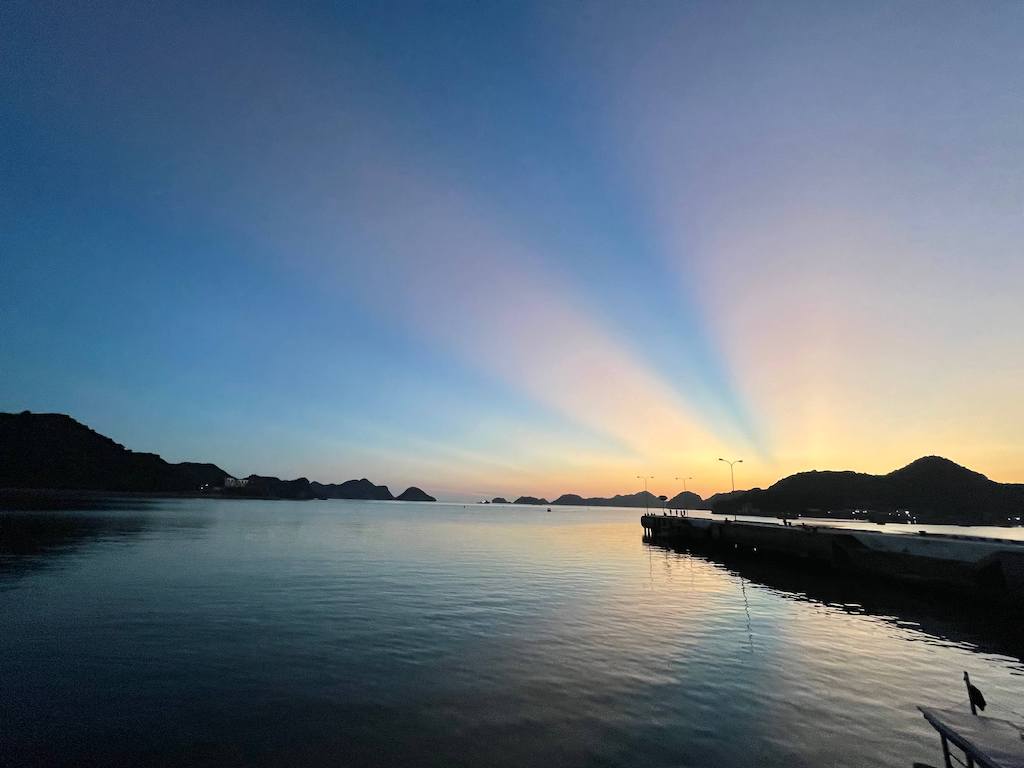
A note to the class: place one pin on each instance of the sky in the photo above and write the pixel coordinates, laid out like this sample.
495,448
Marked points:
494,248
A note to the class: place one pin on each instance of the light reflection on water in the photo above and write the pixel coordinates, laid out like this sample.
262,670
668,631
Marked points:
327,633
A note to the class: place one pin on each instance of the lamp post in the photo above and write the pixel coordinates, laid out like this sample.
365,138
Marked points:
732,478
732,475
645,478
684,479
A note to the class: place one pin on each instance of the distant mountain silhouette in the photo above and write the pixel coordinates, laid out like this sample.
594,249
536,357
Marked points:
54,451
687,500
932,489
353,489
531,500
415,494
641,499
499,500
570,499
715,499
51,450
259,487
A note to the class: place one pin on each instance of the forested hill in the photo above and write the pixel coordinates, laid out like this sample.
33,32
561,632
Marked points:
932,489
53,451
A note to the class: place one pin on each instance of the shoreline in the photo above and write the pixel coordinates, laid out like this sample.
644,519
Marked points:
70,494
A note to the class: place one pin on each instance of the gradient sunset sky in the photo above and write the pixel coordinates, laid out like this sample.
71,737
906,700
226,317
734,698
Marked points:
497,248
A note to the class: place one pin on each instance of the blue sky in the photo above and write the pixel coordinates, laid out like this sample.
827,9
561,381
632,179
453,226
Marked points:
518,248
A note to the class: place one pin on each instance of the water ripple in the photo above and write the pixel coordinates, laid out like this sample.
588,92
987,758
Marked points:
389,634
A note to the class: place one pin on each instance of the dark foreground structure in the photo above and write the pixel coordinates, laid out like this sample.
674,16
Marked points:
988,742
994,567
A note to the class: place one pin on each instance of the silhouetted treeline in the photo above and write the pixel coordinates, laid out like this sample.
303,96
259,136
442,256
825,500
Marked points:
642,499
932,489
54,451
686,500
51,450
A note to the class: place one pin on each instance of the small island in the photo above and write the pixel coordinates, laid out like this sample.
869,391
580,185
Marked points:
415,494
931,489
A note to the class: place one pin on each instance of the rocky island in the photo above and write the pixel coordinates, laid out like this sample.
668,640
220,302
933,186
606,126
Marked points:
415,494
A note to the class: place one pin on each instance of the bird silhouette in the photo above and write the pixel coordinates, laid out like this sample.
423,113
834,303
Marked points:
975,695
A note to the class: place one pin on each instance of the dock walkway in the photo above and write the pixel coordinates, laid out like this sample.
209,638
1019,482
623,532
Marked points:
969,562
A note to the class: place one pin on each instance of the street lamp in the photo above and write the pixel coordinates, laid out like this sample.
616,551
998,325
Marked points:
732,475
684,479
645,478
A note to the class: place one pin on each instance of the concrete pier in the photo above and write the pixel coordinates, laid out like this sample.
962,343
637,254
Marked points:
993,566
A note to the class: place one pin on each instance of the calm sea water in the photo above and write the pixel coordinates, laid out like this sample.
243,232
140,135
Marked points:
371,633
